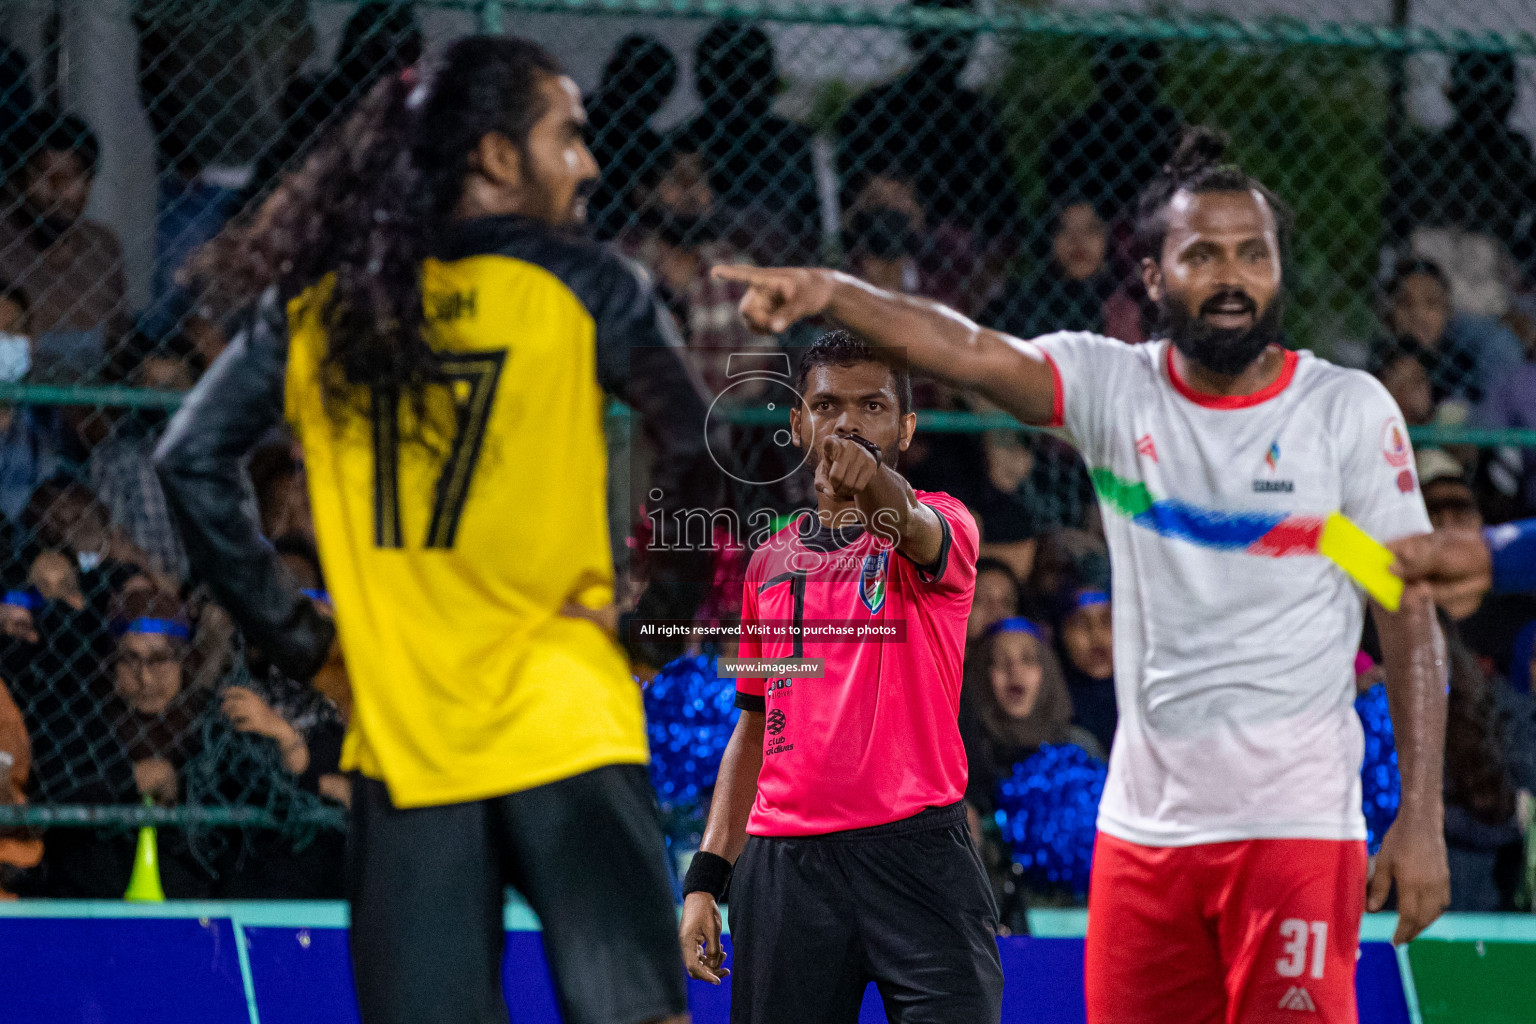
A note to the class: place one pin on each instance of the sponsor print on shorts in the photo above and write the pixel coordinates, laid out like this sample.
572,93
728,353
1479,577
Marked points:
1298,998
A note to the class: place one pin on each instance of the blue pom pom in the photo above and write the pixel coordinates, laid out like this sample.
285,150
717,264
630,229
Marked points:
690,714
1047,810
1380,784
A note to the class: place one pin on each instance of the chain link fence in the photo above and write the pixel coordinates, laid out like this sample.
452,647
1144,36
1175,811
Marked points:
987,155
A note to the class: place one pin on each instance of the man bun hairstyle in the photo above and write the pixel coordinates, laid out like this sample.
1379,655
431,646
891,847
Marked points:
1199,165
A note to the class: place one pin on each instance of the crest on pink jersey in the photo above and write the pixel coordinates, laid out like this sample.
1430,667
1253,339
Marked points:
872,580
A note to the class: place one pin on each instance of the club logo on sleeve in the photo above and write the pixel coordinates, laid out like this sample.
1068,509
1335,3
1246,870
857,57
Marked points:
1394,444
872,581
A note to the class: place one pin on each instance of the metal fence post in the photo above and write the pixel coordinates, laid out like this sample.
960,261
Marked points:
490,17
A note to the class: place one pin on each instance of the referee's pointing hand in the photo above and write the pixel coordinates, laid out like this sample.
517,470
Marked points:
845,468
778,296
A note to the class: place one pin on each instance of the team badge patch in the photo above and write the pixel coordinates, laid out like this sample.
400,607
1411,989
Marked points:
1394,444
872,581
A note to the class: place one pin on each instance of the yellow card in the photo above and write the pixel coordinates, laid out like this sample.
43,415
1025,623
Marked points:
1366,560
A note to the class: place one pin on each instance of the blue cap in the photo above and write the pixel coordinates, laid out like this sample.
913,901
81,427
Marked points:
163,627
1015,624
29,599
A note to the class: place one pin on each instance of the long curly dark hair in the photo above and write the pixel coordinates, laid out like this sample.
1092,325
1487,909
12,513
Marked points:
365,208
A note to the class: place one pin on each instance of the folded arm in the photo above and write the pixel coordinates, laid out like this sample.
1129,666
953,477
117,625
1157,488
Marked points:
200,465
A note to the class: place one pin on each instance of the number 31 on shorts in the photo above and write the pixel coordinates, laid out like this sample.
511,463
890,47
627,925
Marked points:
1295,932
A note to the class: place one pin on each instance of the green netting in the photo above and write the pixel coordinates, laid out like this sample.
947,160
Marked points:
986,155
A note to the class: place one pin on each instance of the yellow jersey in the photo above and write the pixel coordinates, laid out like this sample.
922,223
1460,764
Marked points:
450,547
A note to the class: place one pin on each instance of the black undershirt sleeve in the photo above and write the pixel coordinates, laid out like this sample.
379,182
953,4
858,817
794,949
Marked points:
200,463
641,361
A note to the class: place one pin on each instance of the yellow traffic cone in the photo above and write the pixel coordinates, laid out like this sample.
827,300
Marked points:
144,883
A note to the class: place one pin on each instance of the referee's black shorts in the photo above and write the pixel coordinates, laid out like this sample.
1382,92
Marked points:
427,888
907,906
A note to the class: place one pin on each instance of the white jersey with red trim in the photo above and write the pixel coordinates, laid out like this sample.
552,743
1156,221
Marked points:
1234,639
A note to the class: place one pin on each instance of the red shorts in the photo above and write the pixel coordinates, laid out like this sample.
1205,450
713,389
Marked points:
1224,933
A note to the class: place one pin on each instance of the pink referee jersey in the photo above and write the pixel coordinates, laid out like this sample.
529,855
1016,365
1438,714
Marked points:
876,739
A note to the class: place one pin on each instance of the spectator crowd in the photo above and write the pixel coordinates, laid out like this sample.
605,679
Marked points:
121,682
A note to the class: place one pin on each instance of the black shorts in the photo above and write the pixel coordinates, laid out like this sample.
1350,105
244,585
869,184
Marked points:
427,887
907,906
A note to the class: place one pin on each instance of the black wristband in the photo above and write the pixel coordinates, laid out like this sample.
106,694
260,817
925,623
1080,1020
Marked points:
708,872
867,445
